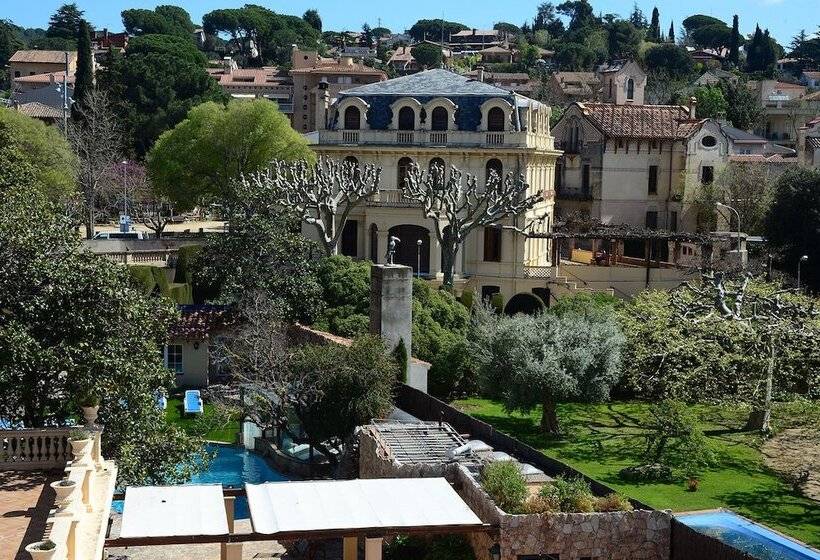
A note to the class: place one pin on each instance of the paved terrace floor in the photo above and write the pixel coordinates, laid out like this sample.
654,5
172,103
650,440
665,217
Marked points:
25,502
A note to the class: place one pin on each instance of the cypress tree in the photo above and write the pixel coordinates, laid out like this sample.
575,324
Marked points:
754,52
655,26
671,37
734,42
84,78
768,58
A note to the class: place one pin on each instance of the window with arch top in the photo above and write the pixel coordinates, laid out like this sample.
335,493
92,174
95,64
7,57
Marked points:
494,166
439,119
407,118
403,170
630,89
353,118
495,119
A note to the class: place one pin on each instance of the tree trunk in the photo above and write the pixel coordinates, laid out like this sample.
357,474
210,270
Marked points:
760,418
549,416
447,264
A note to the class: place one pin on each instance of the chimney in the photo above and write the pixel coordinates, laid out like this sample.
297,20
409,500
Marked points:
346,61
322,105
228,65
693,104
51,79
480,70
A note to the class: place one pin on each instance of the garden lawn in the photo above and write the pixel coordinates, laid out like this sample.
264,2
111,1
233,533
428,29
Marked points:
604,438
193,424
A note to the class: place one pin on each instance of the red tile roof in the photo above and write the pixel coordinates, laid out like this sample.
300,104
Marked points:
198,322
56,77
42,57
642,121
37,110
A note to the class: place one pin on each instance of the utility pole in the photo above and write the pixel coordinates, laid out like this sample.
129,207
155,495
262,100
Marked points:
65,96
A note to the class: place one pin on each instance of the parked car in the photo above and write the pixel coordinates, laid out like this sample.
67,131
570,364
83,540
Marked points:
122,235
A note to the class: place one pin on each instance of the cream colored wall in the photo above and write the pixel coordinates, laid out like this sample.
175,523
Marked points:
31,68
195,364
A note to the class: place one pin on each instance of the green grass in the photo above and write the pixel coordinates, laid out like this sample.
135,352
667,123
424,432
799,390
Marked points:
196,425
604,438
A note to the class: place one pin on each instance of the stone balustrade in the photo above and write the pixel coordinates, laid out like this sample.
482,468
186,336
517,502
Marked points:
34,449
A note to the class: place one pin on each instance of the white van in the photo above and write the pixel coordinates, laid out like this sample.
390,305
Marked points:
122,235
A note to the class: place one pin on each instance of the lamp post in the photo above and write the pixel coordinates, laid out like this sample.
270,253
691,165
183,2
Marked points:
418,258
727,207
802,259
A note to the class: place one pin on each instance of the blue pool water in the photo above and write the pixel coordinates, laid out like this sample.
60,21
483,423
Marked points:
233,466
749,537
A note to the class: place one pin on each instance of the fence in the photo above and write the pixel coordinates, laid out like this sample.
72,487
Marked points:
34,449
423,406
688,544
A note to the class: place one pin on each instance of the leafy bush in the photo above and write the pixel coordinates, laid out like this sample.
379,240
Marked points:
439,547
45,545
613,502
572,495
654,472
542,504
506,485
674,438
186,256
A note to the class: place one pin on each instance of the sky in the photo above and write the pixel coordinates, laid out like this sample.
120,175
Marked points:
784,18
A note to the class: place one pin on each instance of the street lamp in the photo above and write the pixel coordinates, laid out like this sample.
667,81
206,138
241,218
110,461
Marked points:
418,258
127,223
727,207
803,259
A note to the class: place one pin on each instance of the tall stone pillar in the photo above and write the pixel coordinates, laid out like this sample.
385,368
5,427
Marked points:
435,257
391,305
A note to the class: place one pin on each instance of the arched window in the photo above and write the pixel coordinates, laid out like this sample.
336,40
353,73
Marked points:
403,170
351,161
407,118
630,89
437,162
353,118
495,119
439,119
495,166
438,171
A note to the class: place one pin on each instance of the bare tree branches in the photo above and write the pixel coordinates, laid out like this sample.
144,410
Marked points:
95,136
322,195
457,206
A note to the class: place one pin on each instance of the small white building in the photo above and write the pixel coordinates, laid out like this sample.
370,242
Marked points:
190,340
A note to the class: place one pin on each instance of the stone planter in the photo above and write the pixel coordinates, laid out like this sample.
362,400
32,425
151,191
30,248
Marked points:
39,554
81,449
64,489
90,415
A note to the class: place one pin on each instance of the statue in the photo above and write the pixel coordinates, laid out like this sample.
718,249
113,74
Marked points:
391,248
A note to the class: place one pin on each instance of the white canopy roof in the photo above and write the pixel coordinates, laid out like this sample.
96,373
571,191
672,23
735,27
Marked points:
278,507
165,511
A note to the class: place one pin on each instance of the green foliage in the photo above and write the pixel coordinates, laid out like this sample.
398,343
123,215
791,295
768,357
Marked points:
400,355
158,80
613,502
744,110
674,439
574,57
586,304
546,358
506,27
92,329
186,256
204,155
734,42
163,20
434,28
713,36
427,55
506,485
761,55
669,58
346,293
84,76
9,44
792,225
467,298
32,151
312,18
711,103
65,22
354,384
266,254
437,547
624,40
572,494
699,20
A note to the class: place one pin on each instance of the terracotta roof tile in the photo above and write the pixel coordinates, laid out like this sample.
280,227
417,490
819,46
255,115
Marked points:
42,57
37,110
200,321
56,77
641,121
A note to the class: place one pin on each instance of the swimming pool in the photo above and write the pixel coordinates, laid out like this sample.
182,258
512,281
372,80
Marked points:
749,537
233,466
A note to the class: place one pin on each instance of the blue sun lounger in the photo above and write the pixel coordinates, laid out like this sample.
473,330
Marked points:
192,403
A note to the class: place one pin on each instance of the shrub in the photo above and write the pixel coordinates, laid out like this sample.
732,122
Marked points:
45,545
572,495
467,298
654,472
613,502
185,257
79,435
506,485
542,504
440,547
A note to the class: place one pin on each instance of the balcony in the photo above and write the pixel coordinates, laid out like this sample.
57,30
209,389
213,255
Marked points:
435,138
392,198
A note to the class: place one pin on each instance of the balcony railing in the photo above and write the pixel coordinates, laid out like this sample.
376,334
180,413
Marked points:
455,138
392,197
34,449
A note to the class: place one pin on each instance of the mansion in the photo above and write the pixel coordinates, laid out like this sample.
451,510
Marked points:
441,118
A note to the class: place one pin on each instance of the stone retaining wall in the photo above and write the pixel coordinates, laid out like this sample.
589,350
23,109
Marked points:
631,535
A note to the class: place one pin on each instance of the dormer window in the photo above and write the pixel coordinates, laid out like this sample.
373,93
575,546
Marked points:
353,118
439,119
407,118
630,89
495,120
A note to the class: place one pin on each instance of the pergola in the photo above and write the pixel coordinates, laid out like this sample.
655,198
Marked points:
310,510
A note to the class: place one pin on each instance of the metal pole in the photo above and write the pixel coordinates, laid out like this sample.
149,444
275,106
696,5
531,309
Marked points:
800,261
418,258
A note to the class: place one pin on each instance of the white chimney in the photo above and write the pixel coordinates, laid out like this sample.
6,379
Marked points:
480,70
693,104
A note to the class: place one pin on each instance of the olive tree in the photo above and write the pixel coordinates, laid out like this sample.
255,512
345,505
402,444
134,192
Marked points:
545,359
457,205
322,195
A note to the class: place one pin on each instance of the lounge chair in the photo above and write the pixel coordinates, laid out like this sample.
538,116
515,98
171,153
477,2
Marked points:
193,402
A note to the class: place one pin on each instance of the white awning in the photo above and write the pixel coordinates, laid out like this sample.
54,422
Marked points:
278,507
173,511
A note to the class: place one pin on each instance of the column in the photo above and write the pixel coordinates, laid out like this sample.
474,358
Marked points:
435,257
373,549
382,235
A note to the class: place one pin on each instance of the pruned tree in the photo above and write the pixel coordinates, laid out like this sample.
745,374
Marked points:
772,316
457,206
322,195
95,136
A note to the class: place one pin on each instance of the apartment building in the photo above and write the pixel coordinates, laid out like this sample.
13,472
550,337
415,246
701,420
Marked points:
438,117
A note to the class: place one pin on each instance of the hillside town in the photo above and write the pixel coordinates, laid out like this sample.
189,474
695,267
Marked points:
545,290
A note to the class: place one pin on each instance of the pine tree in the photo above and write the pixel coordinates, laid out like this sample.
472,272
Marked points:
84,77
655,26
671,37
754,52
798,40
637,18
734,42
